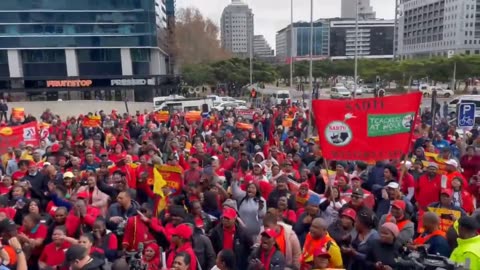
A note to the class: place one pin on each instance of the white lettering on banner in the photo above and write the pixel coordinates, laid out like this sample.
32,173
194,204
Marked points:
29,134
132,82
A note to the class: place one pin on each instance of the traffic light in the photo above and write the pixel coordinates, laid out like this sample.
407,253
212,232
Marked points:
253,93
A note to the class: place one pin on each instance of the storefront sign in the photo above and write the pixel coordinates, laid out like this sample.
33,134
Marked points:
70,83
132,82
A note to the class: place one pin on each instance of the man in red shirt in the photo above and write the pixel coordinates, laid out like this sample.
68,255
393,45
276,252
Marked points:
452,172
428,187
194,174
227,161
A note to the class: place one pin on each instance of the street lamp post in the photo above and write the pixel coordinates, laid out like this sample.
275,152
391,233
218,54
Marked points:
291,43
311,71
356,51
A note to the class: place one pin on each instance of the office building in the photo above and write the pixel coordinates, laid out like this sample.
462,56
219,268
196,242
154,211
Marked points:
301,41
237,29
365,10
261,48
67,49
374,40
438,28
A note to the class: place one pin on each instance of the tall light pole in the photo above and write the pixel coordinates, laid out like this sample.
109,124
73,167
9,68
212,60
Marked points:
291,43
395,31
250,45
356,51
311,70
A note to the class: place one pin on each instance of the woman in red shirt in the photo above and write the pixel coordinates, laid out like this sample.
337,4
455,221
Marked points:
53,254
6,185
470,163
32,233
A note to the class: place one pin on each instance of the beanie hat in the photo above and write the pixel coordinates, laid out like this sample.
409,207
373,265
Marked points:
392,227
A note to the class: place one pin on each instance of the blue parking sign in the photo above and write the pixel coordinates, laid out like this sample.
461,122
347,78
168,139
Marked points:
466,115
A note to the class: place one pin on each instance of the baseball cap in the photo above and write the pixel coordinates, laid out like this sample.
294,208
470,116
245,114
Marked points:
358,192
7,225
193,160
68,175
75,252
452,162
183,231
356,179
229,213
447,191
271,233
400,204
432,165
393,185
313,200
321,252
350,213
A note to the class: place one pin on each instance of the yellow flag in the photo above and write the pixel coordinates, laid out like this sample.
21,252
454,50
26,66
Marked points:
158,184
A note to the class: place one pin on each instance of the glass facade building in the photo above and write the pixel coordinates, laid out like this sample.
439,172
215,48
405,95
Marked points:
86,39
85,23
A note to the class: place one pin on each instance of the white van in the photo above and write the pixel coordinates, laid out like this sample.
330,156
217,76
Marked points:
340,93
282,96
217,100
453,104
186,105
158,100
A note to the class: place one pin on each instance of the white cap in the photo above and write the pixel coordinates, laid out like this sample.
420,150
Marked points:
408,164
452,162
215,158
393,185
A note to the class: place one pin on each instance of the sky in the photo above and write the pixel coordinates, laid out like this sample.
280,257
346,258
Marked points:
273,15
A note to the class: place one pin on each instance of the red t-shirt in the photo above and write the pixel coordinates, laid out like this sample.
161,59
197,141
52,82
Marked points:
40,231
53,255
228,236
407,182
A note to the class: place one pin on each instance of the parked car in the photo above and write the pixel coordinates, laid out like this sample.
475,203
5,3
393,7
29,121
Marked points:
229,106
340,93
217,100
441,92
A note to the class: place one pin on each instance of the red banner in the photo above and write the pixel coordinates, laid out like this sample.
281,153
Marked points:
93,121
13,136
367,128
173,176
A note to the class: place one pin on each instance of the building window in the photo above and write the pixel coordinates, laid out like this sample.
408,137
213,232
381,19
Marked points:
99,55
3,57
140,55
43,56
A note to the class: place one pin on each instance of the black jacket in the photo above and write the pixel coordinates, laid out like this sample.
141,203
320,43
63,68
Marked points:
276,194
94,264
277,262
203,249
242,244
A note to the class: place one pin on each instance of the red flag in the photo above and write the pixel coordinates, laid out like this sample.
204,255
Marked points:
368,128
13,136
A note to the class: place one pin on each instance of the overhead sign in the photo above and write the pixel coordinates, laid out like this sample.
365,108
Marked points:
69,83
466,115
132,82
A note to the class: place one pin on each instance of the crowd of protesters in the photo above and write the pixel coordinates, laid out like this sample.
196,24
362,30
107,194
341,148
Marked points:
259,198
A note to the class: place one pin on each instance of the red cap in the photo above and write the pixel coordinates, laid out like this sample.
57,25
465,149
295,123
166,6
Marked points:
447,191
55,148
32,163
356,179
304,185
82,195
183,231
193,160
229,213
321,252
400,204
349,212
271,233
